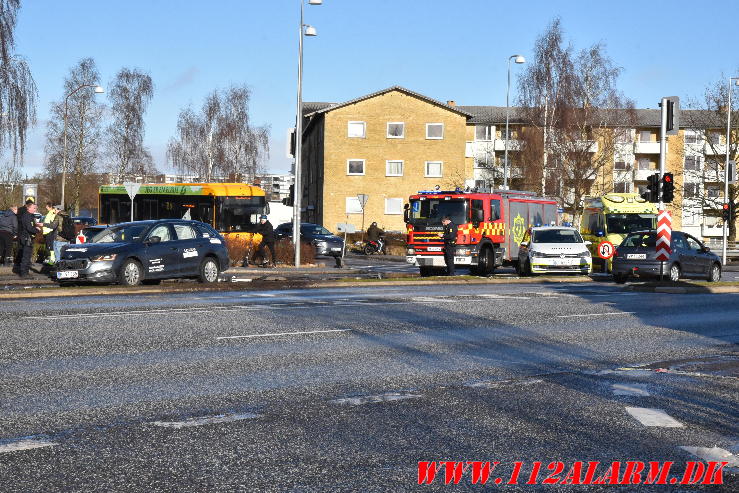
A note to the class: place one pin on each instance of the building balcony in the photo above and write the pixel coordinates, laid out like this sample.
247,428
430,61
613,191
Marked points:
646,147
479,147
709,230
714,149
643,174
585,146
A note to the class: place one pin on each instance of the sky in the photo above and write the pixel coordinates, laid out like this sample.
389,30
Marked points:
447,50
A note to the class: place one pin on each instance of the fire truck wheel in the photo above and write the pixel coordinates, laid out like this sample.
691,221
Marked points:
486,262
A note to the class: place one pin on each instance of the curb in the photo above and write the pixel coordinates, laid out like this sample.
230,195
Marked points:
685,289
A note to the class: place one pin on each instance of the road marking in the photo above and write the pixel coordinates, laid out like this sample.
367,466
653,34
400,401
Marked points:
637,389
716,454
24,444
653,417
429,299
374,399
594,314
275,334
492,384
205,420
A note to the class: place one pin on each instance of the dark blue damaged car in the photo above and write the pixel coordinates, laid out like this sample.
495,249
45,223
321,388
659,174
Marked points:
145,252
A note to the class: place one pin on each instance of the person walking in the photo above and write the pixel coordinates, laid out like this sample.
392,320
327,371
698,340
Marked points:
450,240
27,228
8,233
49,231
268,240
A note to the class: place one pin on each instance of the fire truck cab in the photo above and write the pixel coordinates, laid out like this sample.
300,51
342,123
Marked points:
490,227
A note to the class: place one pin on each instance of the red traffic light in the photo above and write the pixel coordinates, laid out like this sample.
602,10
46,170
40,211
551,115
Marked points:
667,178
726,207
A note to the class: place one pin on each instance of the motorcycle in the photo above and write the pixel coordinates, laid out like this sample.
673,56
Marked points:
378,246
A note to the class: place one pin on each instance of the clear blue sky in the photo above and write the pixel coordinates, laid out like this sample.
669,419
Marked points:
444,49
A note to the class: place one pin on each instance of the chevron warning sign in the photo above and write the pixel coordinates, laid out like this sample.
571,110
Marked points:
664,233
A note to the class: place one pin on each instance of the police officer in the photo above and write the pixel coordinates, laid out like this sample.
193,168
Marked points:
450,239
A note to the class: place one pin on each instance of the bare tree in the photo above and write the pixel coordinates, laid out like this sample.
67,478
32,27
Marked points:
220,140
705,155
575,114
10,185
18,92
130,93
84,131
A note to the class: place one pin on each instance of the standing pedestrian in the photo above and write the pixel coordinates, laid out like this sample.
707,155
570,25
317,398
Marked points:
49,231
19,250
268,240
8,233
27,228
450,240
63,231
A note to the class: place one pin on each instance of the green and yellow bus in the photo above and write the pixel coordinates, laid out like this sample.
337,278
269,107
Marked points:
232,209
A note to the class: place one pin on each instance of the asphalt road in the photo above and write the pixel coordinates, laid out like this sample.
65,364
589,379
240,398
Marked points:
348,389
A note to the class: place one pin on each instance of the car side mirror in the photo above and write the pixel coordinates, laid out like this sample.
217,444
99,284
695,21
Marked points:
153,240
588,243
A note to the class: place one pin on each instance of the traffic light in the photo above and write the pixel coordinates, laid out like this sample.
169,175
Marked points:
726,211
668,188
291,199
652,193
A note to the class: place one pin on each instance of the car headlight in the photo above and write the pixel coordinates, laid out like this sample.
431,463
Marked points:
534,253
462,251
411,251
585,254
99,258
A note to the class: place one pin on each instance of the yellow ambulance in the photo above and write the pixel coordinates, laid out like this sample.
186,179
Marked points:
610,218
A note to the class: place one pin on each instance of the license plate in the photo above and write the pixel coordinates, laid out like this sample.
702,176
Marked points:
641,256
67,274
336,249
561,262
434,249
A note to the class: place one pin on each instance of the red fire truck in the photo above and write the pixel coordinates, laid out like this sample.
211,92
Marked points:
490,227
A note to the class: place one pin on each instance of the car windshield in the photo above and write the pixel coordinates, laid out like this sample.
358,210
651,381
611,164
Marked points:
313,230
646,240
557,236
121,234
626,223
431,211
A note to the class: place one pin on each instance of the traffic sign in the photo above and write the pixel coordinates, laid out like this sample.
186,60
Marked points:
605,250
133,189
30,192
363,198
664,234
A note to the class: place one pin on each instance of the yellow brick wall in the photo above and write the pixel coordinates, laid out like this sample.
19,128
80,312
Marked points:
414,150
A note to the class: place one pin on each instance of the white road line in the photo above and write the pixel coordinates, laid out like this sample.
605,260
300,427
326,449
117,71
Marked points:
430,299
716,454
653,417
492,384
594,314
636,389
275,334
374,399
205,420
24,444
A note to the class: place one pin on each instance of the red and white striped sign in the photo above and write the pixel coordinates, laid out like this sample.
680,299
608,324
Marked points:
664,234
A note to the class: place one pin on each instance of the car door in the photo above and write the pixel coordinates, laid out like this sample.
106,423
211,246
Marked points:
699,257
192,248
163,257
681,253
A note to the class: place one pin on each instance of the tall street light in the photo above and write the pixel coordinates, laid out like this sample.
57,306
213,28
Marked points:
98,90
304,30
518,59
726,170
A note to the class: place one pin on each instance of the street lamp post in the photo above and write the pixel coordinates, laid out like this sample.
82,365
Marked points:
518,59
305,30
726,170
98,90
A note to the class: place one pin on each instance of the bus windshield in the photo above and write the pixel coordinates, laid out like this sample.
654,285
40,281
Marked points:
626,223
238,213
431,211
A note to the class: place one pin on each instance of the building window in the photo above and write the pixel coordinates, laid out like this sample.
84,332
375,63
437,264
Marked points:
713,192
693,163
395,130
641,189
691,136
357,129
623,136
621,187
353,205
435,131
644,163
393,168
714,138
691,190
645,136
433,169
393,206
483,132
355,167
620,165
